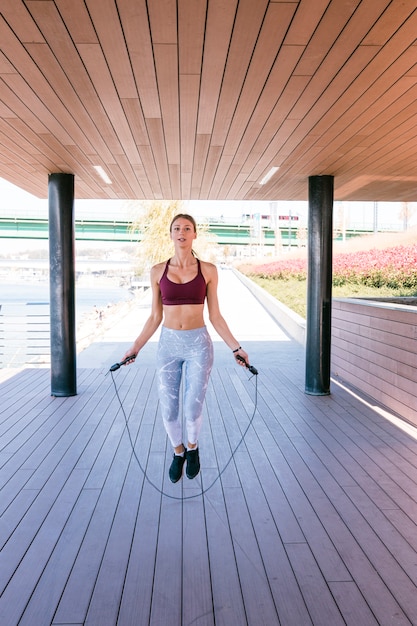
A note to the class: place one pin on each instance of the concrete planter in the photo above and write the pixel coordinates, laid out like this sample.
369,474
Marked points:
374,348
292,323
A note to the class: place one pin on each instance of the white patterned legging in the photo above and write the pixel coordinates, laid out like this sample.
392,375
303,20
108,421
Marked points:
187,356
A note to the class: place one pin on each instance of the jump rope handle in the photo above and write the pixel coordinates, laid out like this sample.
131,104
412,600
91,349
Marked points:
116,366
252,369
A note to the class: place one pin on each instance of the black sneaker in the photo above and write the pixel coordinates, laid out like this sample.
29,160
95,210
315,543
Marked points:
175,471
193,463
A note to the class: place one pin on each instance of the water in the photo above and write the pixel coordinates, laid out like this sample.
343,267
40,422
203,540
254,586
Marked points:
86,297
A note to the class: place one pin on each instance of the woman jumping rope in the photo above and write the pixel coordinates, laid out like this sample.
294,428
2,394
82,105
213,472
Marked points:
180,287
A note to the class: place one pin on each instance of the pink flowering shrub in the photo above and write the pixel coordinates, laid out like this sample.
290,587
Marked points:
281,270
393,267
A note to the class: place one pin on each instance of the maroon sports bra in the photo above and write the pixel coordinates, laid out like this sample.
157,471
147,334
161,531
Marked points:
192,292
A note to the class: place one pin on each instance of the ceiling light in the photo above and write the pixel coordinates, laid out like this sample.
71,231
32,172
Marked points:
269,175
102,174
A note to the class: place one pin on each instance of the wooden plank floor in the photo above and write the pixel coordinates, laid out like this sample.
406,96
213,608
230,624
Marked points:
313,521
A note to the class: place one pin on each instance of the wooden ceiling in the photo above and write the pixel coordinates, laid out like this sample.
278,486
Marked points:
198,99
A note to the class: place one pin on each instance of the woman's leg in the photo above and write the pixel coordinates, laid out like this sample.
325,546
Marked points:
169,372
198,365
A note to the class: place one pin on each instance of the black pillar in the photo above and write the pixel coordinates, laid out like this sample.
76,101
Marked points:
319,285
62,284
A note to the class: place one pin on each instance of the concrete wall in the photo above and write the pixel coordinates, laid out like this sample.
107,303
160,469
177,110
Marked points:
374,348
294,325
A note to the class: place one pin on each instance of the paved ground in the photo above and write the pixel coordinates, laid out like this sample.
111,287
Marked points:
263,339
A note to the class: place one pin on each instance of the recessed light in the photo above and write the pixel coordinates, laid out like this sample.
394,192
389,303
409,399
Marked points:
102,174
269,175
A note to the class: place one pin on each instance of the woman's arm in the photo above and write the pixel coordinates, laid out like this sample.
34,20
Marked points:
215,316
155,318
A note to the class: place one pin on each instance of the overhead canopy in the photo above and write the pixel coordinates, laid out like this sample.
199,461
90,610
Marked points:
199,99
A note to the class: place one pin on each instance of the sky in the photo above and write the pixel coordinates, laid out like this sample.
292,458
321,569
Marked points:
15,202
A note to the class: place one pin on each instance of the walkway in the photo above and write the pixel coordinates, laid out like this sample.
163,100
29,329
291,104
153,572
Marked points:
313,521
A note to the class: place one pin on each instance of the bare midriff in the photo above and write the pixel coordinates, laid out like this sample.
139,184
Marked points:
184,316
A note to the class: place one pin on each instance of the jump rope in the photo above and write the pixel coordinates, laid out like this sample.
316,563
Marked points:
254,373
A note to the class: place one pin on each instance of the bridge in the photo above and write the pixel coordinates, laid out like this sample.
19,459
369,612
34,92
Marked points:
115,230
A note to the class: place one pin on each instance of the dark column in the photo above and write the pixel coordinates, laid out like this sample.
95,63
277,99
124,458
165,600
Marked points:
62,284
319,285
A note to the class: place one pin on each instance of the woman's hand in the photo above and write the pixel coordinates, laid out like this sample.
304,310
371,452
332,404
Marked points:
243,355
130,356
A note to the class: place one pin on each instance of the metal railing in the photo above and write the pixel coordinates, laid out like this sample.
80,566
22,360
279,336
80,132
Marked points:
24,334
